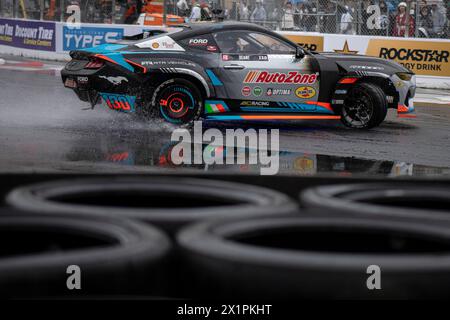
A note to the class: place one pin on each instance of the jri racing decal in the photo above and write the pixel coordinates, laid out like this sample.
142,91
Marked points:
294,77
249,103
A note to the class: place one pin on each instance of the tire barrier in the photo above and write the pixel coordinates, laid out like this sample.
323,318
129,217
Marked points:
293,257
430,203
39,254
168,202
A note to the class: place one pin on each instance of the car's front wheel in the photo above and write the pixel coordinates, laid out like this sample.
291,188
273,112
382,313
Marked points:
365,106
178,101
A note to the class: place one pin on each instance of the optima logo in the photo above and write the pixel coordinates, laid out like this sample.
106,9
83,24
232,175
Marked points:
419,55
277,77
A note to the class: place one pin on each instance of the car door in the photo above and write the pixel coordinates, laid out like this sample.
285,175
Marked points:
261,73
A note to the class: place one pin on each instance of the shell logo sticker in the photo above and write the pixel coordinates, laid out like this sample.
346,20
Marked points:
305,92
155,45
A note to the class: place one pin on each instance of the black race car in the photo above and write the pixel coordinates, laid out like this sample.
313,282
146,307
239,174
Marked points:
238,71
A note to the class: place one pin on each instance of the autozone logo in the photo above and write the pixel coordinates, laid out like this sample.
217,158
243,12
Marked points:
280,77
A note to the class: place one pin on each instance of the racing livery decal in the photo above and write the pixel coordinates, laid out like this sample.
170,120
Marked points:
230,72
280,77
119,102
305,92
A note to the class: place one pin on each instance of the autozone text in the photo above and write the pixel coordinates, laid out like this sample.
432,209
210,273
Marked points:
414,55
278,77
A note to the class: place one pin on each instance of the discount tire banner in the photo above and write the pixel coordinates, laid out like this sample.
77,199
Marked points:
28,34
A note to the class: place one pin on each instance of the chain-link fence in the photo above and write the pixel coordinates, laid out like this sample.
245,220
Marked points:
411,18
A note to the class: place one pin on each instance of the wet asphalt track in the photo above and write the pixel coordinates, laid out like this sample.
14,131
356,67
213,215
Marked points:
44,129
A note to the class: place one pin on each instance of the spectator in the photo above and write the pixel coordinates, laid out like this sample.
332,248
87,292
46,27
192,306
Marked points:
205,12
425,21
365,15
274,15
244,12
439,18
287,21
182,7
329,19
383,20
308,20
347,21
259,14
196,13
404,22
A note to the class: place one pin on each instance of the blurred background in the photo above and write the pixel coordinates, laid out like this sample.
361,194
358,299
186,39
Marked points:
410,18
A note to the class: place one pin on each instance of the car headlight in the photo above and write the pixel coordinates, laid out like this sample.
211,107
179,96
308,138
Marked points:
405,76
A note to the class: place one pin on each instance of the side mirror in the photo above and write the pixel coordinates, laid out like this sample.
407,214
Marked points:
299,53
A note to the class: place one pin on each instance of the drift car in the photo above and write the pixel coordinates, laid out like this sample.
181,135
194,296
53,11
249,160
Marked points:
238,71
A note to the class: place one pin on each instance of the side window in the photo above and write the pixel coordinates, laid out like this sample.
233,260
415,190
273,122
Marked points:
237,42
274,45
204,42
251,43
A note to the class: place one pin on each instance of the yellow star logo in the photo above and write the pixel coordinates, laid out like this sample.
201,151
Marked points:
346,49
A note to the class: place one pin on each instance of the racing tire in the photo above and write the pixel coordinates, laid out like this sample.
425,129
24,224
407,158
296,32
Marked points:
168,202
179,102
294,257
114,256
430,203
365,107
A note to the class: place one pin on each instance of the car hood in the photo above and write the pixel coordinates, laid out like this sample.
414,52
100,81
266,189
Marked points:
353,62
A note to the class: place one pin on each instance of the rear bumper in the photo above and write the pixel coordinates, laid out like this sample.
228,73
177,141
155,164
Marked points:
108,78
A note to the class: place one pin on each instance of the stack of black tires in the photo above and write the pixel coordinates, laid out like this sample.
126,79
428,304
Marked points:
180,237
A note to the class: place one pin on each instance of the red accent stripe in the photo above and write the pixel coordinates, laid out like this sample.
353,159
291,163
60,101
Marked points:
137,65
325,105
286,117
348,80
402,108
220,107
105,58
406,116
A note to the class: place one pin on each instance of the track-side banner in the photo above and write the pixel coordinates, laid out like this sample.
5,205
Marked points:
423,57
28,34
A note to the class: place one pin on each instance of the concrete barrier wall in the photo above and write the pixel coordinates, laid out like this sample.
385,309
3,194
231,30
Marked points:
428,58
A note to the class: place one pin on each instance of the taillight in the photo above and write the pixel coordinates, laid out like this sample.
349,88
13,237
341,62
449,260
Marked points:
94,64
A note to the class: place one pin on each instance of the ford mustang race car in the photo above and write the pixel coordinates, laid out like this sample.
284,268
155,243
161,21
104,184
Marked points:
238,71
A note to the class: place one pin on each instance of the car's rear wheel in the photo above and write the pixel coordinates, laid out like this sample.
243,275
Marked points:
178,101
365,107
